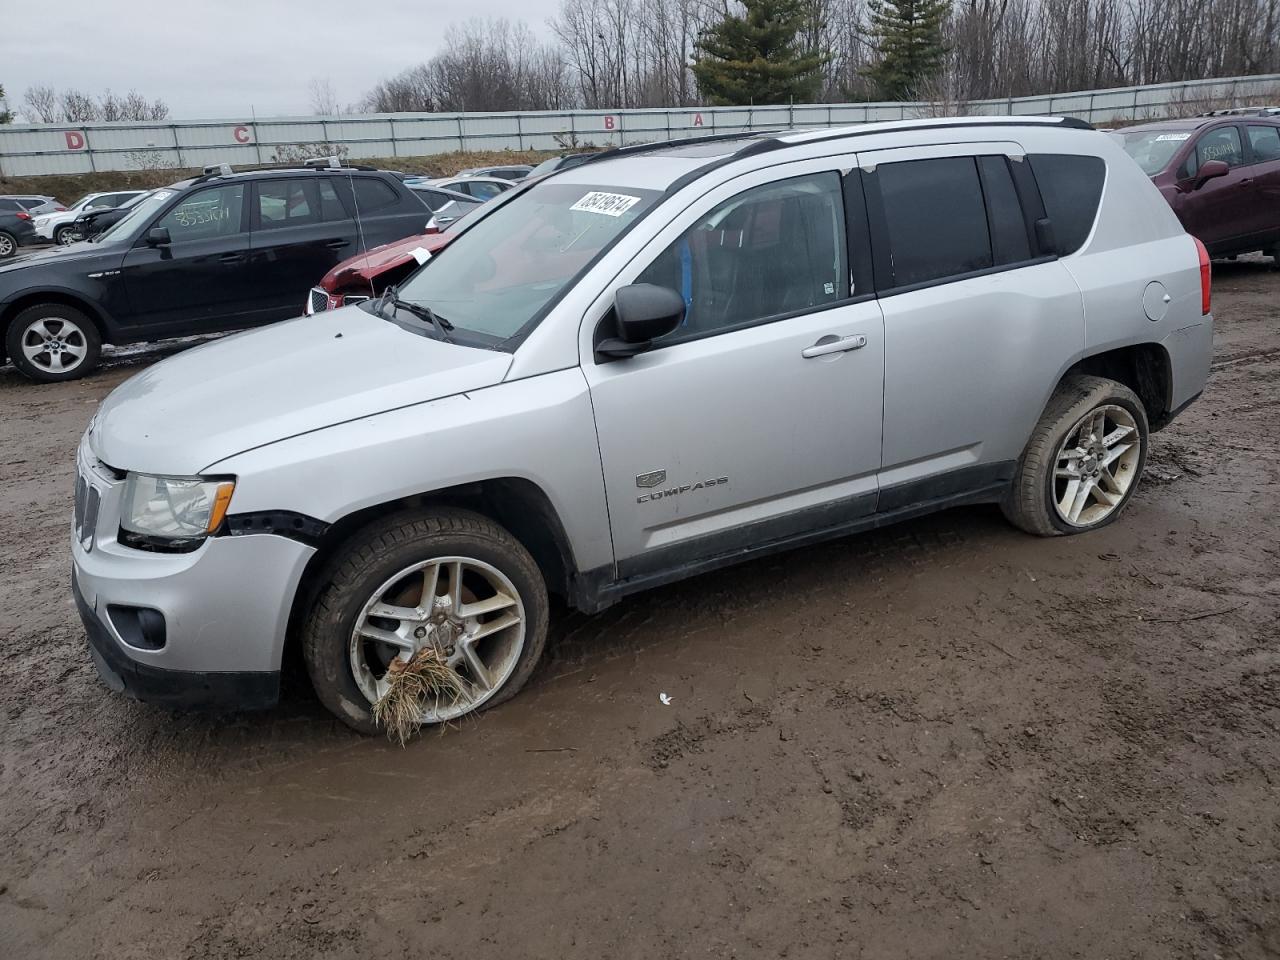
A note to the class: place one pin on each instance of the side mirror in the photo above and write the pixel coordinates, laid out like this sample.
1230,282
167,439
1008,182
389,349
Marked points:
643,312
1210,170
158,237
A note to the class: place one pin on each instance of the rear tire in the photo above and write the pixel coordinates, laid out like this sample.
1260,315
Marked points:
52,342
64,236
1084,459
8,245
385,565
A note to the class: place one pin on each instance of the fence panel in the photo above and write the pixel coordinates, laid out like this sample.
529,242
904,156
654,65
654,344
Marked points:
32,150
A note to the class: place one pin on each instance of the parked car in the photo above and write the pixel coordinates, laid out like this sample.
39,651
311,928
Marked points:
16,230
1220,174
477,187
554,164
514,171
664,361
95,221
367,275
217,252
437,198
29,204
58,226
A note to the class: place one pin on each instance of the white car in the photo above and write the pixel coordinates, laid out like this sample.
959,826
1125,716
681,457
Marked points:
481,188
59,227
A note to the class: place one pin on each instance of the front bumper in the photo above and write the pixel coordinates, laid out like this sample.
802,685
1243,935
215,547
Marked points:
225,606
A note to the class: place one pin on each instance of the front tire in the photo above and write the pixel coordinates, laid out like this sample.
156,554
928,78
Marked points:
52,342
8,245
445,578
65,236
1084,459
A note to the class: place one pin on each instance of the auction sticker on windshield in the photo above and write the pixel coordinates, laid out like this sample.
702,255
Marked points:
609,204
1174,136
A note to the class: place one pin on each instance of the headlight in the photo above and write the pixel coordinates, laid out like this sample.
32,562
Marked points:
174,508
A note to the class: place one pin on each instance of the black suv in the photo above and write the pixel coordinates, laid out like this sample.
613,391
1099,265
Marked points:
217,252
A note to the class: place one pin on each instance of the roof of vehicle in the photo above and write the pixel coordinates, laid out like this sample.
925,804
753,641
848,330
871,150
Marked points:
451,194
1195,123
227,172
477,178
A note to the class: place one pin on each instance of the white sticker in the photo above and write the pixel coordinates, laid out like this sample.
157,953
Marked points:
610,204
1173,136
163,194
421,255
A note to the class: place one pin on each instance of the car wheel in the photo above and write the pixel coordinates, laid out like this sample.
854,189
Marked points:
8,245
65,236
51,342
1084,459
450,580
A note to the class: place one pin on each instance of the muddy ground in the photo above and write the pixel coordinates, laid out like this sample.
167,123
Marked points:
947,739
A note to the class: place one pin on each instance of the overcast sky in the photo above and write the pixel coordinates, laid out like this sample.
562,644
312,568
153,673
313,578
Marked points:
218,58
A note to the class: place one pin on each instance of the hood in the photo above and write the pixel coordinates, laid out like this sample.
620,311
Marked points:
365,267
30,257
212,402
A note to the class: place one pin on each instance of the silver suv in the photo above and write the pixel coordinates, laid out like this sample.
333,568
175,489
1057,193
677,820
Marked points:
665,360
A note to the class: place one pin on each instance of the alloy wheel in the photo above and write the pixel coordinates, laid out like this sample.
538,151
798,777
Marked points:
1096,466
467,610
54,344
7,246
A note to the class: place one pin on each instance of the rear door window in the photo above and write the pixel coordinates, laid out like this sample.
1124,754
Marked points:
372,194
935,219
1071,187
1264,141
290,203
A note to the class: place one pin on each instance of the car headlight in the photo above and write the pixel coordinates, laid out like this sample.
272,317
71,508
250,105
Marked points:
174,509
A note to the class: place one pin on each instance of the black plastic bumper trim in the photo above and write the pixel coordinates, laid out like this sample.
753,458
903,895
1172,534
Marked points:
178,689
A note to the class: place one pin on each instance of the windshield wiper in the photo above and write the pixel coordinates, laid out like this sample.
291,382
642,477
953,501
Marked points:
390,297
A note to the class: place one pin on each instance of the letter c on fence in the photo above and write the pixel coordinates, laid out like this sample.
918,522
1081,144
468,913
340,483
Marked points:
75,140
241,134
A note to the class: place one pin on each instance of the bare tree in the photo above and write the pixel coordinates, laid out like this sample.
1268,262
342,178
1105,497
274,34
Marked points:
324,99
42,103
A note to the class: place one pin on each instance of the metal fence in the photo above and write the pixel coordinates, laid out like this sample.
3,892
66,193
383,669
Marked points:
52,148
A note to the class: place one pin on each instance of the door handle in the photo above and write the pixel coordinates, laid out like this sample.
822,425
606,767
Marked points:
232,258
834,345
338,244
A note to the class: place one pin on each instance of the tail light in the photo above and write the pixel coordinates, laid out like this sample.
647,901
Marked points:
23,215
1206,277
59,208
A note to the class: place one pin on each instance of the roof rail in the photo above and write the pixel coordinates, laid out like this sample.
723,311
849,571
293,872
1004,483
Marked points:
665,144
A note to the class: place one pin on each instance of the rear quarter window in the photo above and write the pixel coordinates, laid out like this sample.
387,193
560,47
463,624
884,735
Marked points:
372,195
1071,187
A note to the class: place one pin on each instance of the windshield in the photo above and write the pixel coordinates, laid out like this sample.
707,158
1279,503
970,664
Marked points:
1153,149
128,227
504,271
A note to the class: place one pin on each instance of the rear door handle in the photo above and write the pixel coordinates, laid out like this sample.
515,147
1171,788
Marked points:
232,257
338,244
834,345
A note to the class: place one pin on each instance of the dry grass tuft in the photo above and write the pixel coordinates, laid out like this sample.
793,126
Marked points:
421,683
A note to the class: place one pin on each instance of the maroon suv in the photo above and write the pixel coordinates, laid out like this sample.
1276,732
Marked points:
1220,174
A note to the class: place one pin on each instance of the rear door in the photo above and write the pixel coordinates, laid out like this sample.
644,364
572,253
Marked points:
976,318
199,281
1262,141
1219,212
300,230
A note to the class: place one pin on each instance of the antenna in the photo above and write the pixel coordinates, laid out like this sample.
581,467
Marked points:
336,163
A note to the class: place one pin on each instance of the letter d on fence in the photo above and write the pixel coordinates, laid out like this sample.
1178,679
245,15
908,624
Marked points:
75,140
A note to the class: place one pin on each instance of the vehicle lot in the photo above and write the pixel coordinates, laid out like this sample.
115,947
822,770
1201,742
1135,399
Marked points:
945,739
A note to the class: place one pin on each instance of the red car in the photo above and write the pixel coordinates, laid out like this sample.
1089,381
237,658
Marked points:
366,275
1221,175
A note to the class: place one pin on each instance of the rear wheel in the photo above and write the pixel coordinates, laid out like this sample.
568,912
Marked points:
51,342
1084,459
8,245
450,581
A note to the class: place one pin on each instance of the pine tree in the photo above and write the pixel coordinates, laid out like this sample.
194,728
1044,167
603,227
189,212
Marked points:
755,58
5,115
908,37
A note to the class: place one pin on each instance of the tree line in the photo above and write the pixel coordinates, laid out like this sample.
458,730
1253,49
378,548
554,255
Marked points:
610,54
44,104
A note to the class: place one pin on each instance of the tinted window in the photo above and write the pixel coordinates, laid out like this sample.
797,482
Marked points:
935,217
434,199
372,194
771,250
1221,144
1264,141
288,203
214,212
483,191
1009,240
6,204
1071,187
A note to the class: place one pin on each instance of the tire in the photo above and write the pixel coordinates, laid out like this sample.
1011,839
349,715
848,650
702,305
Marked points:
1036,498
69,334
379,556
64,236
8,245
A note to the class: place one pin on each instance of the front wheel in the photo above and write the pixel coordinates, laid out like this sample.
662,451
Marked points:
1084,459
8,245
52,342
448,582
65,236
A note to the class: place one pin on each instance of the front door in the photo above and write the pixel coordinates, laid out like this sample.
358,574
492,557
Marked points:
759,418
200,281
1218,211
300,231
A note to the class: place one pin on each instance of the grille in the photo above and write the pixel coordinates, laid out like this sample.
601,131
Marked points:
319,300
